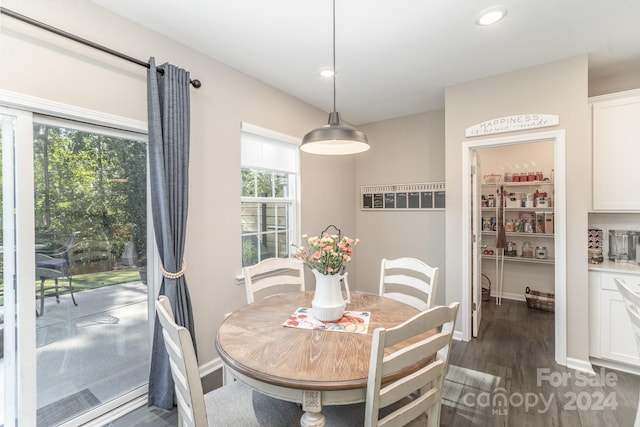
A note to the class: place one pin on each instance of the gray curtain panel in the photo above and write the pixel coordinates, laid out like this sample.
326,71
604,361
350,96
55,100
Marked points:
169,112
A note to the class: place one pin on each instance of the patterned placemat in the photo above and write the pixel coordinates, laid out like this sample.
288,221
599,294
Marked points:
352,321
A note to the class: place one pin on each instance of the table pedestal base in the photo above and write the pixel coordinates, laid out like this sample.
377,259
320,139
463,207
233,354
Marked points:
311,405
312,419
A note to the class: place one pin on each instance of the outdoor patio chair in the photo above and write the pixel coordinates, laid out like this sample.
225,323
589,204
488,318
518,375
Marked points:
410,281
55,266
235,404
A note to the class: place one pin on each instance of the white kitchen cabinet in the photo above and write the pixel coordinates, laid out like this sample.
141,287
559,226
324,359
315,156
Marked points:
610,331
615,127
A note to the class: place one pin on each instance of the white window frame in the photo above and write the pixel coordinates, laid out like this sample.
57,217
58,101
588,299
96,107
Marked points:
294,193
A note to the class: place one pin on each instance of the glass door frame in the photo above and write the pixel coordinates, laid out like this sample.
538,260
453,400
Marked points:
560,224
18,225
25,108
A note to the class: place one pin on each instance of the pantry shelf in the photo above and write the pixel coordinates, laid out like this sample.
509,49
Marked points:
549,261
532,235
517,184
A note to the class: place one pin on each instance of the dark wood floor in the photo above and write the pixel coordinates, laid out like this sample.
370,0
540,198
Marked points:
513,360
154,417
505,377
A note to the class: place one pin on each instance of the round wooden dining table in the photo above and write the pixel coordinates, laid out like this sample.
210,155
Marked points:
307,366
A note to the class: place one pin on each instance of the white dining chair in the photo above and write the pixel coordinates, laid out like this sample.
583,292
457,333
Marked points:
626,292
273,276
413,399
632,305
235,404
409,280
269,277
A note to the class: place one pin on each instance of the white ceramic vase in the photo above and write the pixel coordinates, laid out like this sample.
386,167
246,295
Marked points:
328,304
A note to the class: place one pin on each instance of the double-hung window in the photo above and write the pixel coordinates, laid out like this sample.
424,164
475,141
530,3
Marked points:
270,168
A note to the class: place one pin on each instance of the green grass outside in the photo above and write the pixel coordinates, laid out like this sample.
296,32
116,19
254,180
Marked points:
83,282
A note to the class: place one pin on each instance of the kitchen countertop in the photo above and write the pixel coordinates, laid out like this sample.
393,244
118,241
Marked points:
616,267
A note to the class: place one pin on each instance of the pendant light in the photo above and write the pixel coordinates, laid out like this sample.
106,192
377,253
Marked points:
334,138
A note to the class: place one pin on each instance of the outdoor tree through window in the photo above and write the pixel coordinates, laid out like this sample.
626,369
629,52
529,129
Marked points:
90,183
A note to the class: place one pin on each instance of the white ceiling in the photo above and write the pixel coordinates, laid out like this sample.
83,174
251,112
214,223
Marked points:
393,58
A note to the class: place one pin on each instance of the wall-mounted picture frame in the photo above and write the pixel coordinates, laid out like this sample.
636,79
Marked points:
403,197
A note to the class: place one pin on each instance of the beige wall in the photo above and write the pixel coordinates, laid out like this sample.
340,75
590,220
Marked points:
556,88
43,65
614,83
403,151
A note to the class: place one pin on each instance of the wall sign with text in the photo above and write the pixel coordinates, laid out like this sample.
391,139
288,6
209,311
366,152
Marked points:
425,196
512,123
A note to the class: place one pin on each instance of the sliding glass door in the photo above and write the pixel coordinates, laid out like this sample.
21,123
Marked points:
90,210
74,298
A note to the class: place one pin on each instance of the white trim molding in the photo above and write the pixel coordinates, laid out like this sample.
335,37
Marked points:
558,138
210,367
64,111
580,365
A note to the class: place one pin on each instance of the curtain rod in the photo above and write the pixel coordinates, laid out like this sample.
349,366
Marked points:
195,83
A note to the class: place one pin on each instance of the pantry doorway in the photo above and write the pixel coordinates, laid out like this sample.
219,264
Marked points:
471,212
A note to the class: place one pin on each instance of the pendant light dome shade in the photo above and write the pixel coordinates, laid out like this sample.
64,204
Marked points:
335,138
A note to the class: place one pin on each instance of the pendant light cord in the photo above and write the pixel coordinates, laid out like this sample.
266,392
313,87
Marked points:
334,137
334,56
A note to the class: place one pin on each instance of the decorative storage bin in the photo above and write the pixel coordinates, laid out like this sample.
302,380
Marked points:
540,300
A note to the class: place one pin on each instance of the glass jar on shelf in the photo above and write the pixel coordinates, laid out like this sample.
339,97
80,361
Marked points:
508,175
527,250
541,252
509,227
518,226
511,249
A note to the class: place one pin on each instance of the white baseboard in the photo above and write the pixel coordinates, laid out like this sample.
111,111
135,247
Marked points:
210,367
580,365
457,335
616,365
511,296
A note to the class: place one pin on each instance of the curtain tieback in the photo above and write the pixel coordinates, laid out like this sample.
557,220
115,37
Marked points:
170,275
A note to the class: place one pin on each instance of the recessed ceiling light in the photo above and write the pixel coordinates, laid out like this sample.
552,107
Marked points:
326,72
491,15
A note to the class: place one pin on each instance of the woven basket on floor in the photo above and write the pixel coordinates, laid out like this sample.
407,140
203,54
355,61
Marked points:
540,300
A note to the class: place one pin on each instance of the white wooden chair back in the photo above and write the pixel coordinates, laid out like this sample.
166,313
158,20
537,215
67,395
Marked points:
184,367
628,295
634,315
632,304
273,275
428,381
410,281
